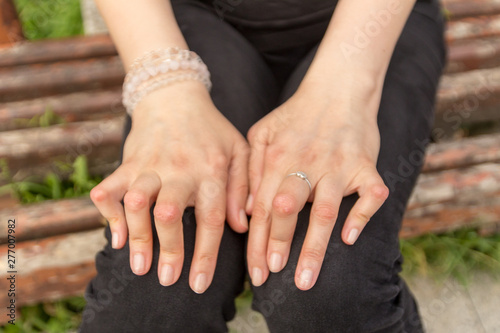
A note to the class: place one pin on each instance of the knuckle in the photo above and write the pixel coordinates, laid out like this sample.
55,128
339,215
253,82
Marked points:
325,213
380,192
313,253
253,174
136,200
274,155
219,161
167,214
215,219
260,213
207,259
281,241
361,216
171,253
255,255
241,189
285,204
140,238
99,194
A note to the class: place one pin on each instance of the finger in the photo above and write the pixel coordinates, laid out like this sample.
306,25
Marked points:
210,210
258,144
107,197
372,194
137,201
260,225
327,198
169,209
237,189
288,202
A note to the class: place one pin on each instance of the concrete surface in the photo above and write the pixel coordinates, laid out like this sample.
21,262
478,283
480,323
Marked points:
446,307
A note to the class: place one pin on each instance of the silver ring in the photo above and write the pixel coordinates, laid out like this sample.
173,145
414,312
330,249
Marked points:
303,176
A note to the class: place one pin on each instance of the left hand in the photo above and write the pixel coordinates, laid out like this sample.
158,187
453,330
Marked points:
335,141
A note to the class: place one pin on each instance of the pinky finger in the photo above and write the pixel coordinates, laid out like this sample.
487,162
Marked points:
107,198
372,195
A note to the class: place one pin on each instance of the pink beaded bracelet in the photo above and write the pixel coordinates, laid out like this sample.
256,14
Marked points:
159,68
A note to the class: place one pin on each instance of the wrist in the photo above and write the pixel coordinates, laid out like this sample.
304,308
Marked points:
172,101
343,94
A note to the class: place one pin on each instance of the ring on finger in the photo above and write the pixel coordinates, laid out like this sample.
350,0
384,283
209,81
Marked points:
303,176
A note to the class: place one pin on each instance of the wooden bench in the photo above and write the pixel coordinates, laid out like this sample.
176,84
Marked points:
80,79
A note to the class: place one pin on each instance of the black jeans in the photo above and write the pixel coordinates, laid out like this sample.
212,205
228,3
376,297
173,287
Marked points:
358,289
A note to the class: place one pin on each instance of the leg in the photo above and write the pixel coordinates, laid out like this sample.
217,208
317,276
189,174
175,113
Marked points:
358,289
118,300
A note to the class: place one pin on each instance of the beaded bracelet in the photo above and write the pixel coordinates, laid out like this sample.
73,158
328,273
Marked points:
159,68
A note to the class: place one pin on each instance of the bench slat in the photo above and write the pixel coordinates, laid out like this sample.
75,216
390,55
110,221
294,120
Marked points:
473,27
56,50
471,54
462,153
456,9
31,81
54,267
32,151
73,107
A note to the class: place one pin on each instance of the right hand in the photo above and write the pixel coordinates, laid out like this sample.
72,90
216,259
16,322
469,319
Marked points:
180,152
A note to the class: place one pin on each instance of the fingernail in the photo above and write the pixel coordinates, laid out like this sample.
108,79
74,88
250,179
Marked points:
243,218
200,283
114,240
257,276
138,263
353,235
166,275
275,263
305,278
249,205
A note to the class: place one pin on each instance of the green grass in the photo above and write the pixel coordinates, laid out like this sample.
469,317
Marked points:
42,19
454,254
48,118
79,183
51,317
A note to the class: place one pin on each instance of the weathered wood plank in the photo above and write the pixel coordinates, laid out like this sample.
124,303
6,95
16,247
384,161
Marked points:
27,151
73,107
52,268
456,9
56,50
50,218
462,153
31,81
471,54
473,27
453,199
464,185
467,97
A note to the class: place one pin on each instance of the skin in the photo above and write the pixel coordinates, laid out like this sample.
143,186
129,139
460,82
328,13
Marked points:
336,143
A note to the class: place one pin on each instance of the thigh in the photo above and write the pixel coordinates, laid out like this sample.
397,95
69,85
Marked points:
358,289
119,301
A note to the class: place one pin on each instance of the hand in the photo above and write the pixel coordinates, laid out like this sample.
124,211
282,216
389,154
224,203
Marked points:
336,143
181,151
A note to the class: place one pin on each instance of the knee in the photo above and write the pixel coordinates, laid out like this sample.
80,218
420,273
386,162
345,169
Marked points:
352,294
